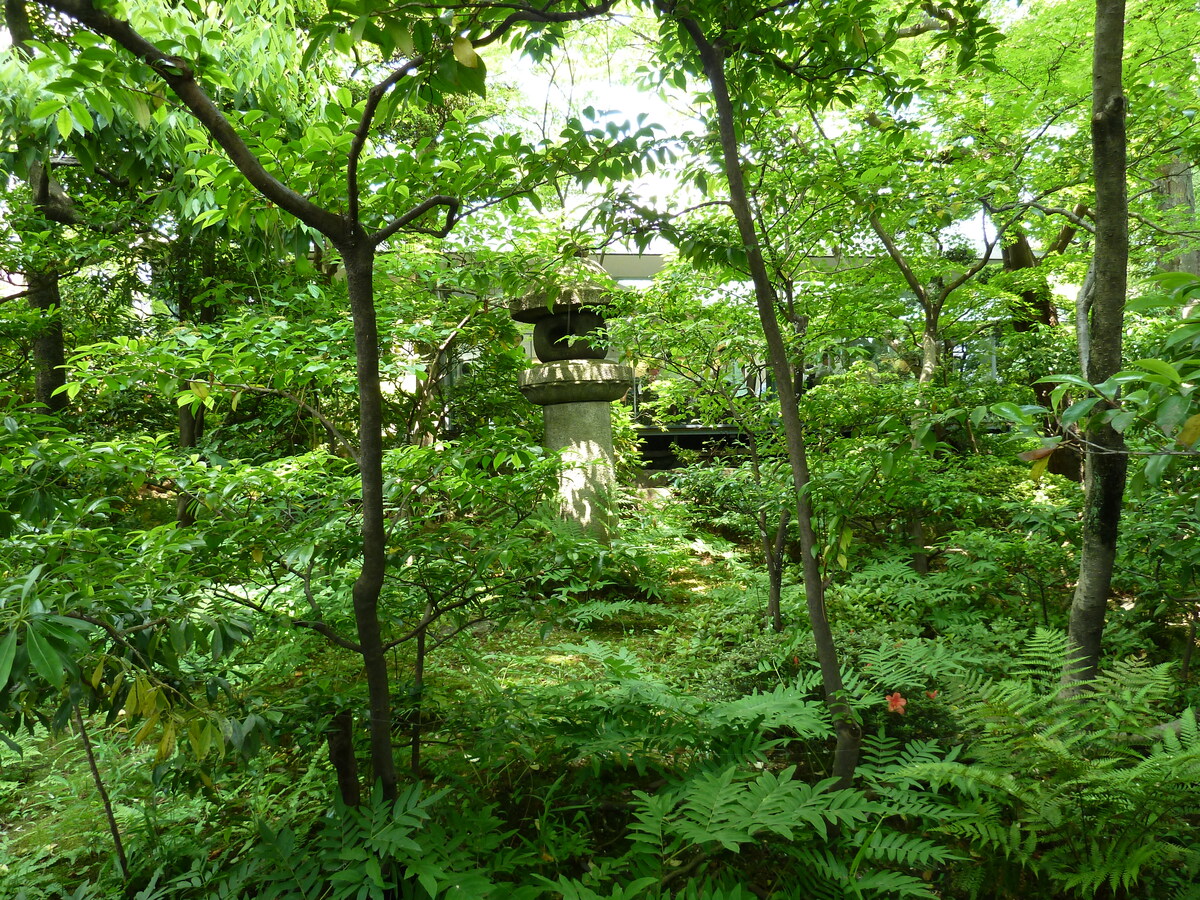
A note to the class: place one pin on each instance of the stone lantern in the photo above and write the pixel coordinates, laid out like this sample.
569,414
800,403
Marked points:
576,386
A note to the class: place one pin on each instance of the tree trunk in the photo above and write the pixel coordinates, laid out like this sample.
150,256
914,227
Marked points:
45,297
191,429
772,550
113,828
1037,306
359,256
849,735
930,345
49,357
1038,311
1177,197
339,741
1106,457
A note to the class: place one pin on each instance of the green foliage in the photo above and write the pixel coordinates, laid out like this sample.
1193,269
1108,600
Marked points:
730,499
1082,793
598,721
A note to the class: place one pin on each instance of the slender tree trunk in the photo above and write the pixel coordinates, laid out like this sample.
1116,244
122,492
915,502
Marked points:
418,696
49,357
930,346
1106,458
113,829
191,429
849,735
1038,307
772,550
339,741
1177,197
359,257
930,360
1038,311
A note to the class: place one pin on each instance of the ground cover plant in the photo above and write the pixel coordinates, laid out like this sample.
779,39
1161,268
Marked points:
288,605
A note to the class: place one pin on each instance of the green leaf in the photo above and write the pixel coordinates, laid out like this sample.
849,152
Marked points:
46,109
1078,410
64,123
141,110
1171,412
1160,367
1069,379
1122,420
1156,466
8,652
45,659
82,116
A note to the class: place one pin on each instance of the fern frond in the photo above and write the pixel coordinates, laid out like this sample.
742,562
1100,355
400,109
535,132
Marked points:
885,883
785,707
1042,657
730,809
588,614
902,849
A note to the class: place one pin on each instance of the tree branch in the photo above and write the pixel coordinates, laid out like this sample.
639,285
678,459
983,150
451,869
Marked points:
179,77
328,633
910,277
374,97
534,15
452,204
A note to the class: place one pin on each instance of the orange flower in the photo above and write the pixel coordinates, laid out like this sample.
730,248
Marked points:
932,695
896,703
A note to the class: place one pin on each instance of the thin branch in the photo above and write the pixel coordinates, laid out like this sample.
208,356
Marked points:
924,27
535,16
374,97
113,829
1073,216
1191,233
332,429
328,633
452,204
179,77
898,258
113,632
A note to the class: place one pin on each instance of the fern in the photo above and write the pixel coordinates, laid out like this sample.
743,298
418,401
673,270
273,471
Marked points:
728,809
786,706
1052,785
588,614
909,665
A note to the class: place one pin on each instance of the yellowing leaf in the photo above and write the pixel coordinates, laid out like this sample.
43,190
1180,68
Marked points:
166,745
199,388
200,737
1190,431
144,732
141,111
8,652
465,53
149,700
256,554
1038,469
